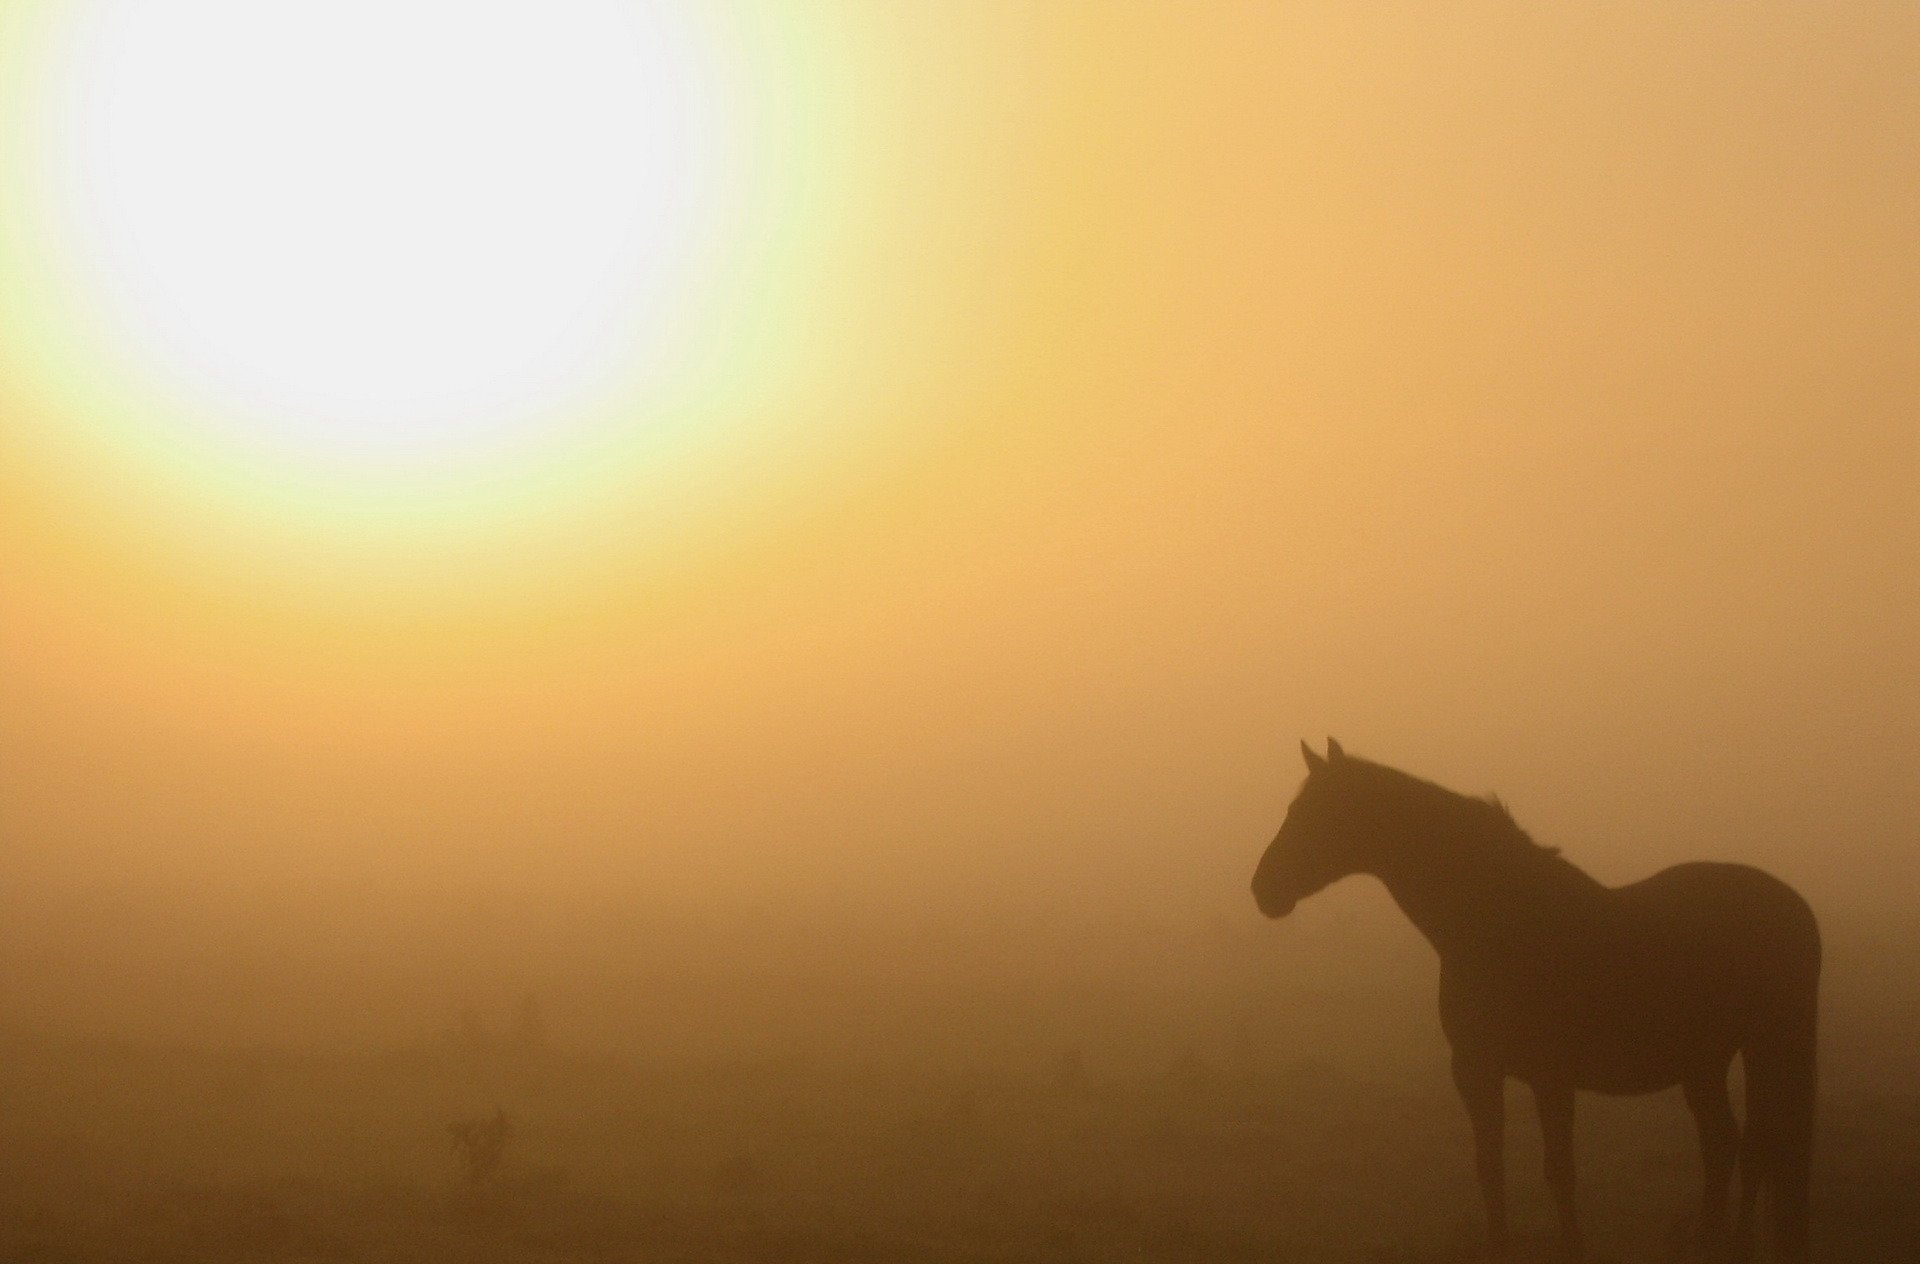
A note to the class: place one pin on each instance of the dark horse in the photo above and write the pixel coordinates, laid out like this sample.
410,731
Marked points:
1549,977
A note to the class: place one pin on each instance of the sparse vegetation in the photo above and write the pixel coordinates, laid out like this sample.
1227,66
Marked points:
120,1155
480,1144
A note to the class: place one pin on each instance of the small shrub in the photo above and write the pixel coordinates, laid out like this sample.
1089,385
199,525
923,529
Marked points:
480,1144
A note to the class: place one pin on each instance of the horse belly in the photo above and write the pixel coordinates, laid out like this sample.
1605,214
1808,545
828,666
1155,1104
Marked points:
1592,1037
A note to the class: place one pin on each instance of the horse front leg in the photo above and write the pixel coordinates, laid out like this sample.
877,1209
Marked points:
1555,1104
1483,1089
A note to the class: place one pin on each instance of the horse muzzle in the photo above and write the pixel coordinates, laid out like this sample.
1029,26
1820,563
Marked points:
1273,903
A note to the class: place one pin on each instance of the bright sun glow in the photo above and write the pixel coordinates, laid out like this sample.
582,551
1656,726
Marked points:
389,235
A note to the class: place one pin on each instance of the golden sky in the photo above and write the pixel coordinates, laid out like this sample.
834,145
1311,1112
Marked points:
1071,407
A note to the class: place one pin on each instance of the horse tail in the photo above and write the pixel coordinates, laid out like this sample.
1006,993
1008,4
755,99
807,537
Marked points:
1776,1157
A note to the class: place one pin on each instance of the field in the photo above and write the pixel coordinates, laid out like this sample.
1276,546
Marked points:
127,1155
1055,1090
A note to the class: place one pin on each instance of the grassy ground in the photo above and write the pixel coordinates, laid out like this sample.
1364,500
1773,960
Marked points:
126,1156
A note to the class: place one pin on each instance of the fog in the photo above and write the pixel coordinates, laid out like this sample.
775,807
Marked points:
1526,399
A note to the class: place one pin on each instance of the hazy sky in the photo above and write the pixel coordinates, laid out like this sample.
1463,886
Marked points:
1528,395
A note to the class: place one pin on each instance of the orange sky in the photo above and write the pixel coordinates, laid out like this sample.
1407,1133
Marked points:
1526,395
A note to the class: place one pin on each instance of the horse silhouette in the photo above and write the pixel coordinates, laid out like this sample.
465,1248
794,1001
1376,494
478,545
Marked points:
1550,977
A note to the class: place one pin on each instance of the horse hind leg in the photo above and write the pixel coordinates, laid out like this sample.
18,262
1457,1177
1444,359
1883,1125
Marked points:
1775,1154
1712,1111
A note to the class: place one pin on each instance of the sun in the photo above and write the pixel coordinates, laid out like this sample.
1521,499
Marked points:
388,236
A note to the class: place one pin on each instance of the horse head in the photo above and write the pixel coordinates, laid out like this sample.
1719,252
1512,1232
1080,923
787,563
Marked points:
1321,840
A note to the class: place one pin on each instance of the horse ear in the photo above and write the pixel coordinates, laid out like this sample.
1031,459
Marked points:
1314,762
1334,753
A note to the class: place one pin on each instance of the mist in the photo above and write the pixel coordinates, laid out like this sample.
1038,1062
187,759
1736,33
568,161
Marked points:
855,863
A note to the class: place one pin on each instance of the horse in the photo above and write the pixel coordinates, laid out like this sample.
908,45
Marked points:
1549,977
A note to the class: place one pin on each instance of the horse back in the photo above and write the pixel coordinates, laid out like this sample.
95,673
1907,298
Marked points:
1633,988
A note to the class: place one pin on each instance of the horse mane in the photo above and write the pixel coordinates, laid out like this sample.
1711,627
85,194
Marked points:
1477,824
1505,827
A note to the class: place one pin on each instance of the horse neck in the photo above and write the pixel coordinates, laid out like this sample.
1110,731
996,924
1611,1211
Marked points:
1481,899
